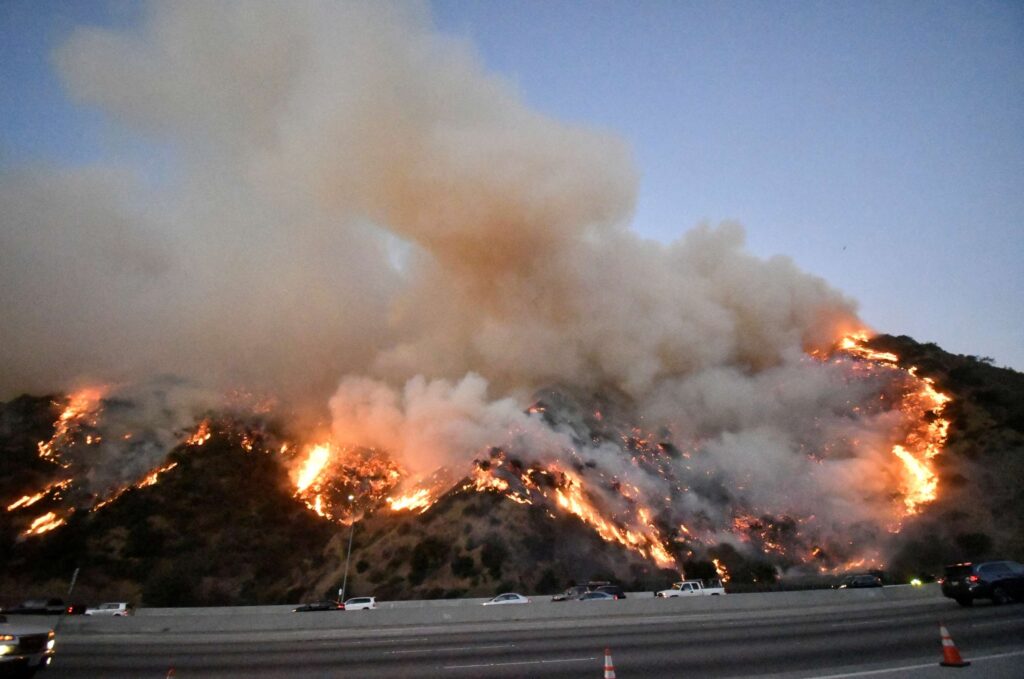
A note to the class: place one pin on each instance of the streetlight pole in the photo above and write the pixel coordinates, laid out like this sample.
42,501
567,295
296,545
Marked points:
351,533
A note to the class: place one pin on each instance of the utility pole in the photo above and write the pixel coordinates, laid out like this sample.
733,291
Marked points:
351,533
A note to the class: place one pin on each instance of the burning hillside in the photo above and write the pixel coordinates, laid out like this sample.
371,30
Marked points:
436,293
667,494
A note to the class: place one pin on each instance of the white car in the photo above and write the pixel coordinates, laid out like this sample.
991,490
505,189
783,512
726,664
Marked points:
118,609
361,603
509,598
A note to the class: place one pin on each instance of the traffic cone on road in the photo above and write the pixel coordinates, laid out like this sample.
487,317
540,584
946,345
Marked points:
950,656
609,666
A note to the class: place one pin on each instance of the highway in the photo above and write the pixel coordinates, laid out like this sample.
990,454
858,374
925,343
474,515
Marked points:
871,638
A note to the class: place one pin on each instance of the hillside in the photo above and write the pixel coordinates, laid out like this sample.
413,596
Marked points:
222,524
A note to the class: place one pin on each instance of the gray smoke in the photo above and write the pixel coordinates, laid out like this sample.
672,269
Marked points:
352,197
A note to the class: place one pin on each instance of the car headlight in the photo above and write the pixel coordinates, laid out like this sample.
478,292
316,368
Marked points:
50,644
8,637
916,582
7,648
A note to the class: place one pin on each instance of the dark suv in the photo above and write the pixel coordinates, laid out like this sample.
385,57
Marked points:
614,590
1000,581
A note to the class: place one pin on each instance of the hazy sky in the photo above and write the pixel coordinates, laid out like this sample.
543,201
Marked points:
880,145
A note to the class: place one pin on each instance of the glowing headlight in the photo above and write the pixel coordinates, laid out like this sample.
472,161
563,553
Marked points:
50,644
7,648
7,637
916,582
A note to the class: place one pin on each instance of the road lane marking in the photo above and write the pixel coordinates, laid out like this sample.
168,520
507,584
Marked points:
521,662
863,622
449,648
995,623
904,668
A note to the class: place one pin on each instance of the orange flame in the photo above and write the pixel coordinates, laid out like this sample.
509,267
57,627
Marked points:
81,405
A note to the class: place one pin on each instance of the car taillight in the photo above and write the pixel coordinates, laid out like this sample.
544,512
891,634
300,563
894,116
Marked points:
973,578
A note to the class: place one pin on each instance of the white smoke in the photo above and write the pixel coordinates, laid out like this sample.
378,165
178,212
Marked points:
314,140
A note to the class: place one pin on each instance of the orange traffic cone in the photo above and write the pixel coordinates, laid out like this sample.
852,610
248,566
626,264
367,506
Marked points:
609,666
950,656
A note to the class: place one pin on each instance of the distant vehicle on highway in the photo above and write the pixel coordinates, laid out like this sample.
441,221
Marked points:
572,593
692,588
1000,581
614,590
117,609
319,606
24,649
507,598
38,607
361,603
597,596
860,581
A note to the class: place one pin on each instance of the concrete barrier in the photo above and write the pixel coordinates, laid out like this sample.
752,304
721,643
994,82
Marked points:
280,618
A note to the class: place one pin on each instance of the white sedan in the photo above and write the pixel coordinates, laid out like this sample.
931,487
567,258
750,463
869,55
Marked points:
508,598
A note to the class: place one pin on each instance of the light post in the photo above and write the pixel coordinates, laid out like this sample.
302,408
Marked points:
351,532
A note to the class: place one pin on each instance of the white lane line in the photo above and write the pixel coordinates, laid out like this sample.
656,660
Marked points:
995,623
521,662
904,668
864,622
449,648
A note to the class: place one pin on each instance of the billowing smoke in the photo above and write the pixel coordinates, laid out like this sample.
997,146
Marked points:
343,194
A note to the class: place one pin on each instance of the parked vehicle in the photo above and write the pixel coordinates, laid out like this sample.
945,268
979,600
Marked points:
507,598
614,590
1000,581
319,606
597,596
118,609
692,588
38,607
574,592
361,603
860,581
24,649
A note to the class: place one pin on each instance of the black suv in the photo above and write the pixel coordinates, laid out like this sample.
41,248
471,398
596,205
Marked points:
614,590
1000,581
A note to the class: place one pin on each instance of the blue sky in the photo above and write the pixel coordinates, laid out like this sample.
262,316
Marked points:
880,145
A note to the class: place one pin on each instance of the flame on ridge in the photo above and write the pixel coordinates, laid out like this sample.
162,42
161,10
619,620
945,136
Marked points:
923,407
83,407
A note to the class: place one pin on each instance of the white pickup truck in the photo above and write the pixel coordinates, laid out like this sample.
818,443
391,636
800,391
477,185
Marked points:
24,649
692,588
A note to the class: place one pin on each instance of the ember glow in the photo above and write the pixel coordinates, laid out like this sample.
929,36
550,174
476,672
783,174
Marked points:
83,407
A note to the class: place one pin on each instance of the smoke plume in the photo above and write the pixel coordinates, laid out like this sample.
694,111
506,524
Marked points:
349,196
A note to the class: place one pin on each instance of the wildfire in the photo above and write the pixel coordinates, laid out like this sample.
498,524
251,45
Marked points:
922,407
310,470
723,572
29,500
82,408
44,523
200,436
418,500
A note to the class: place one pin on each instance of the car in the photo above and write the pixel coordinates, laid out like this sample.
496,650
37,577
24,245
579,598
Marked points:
597,596
507,598
24,649
117,609
574,592
361,603
860,581
38,607
328,605
614,590
999,581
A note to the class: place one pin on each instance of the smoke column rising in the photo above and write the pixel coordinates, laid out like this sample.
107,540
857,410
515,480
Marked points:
354,198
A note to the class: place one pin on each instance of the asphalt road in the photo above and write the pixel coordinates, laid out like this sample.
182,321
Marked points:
887,640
